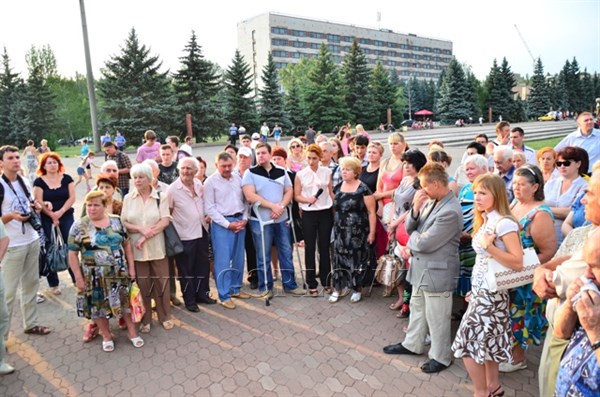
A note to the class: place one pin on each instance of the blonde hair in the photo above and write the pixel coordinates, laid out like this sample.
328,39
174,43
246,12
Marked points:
96,194
495,185
397,137
351,162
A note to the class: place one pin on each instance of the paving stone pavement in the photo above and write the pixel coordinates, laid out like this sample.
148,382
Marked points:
297,346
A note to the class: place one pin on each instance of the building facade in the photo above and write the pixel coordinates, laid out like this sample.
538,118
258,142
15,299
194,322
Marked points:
291,38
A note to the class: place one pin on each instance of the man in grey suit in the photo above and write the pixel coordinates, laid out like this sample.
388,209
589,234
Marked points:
433,245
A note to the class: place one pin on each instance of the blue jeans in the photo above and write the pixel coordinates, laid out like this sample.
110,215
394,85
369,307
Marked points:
280,234
228,250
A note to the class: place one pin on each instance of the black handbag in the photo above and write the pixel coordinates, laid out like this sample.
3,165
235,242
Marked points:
173,244
57,253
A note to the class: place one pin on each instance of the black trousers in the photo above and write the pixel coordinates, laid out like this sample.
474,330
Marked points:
250,257
194,269
316,227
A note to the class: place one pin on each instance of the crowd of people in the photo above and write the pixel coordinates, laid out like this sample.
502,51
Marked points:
347,203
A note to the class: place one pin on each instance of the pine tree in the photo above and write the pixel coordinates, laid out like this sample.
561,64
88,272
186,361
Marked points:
499,88
587,92
135,95
9,82
539,99
197,84
41,107
240,101
325,104
292,104
574,87
271,99
384,95
453,101
356,76
72,107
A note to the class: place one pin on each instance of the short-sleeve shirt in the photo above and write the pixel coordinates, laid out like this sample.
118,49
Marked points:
270,185
59,196
123,162
168,174
311,182
148,213
554,198
20,233
146,152
120,141
187,209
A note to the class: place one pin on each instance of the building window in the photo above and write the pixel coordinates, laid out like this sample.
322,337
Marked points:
277,30
334,48
404,46
334,38
391,53
378,43
315,46
316,35
391,63
366,51
416,48
379,52
365,41
392,45
436,50
416,56
279,54
405,55
426,49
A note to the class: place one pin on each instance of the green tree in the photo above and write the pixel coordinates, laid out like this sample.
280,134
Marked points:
40,105
539,98
72,108
356,76
136,95
292,104
573,86
499,86
325,106
240,108
454,98
270,97
384,95
9,84
197,83
44,60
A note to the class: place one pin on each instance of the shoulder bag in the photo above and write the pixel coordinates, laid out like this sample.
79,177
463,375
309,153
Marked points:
57,254
391,270
173,244
500,278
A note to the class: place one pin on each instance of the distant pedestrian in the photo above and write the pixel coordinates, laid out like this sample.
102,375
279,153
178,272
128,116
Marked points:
264,132
233,134
120,141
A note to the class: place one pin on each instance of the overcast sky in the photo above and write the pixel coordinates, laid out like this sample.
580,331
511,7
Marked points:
480,30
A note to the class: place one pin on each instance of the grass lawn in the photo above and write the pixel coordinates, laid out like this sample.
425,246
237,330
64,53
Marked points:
551,142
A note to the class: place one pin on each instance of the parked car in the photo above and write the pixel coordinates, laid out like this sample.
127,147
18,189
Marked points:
407,123
550,116
66,142
89,139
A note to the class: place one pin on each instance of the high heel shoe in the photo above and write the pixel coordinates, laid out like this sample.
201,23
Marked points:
499,391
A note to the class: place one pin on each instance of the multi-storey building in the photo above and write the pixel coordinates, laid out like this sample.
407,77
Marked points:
290,38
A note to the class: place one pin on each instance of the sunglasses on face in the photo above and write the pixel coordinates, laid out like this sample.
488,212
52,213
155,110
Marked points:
295,146
566,163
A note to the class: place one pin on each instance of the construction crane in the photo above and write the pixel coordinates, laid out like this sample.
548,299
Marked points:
526,46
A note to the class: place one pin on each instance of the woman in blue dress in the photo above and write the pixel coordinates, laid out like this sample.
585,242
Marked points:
528,321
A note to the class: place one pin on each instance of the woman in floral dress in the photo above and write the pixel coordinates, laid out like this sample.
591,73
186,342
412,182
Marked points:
102,276
354,228
483,337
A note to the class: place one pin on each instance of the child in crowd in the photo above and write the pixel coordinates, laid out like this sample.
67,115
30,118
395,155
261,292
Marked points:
84,170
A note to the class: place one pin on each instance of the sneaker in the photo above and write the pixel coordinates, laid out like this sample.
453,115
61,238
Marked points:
39,298
510,367
356,296
6,369
335,296
296,291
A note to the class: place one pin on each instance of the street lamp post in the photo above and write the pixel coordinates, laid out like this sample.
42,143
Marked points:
90,78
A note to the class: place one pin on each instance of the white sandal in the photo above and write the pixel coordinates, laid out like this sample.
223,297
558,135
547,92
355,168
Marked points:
137,342
356,296
335,296
108,345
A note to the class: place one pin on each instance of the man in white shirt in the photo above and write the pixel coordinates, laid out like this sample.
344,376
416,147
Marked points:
21,263
226,206
517,138
585,137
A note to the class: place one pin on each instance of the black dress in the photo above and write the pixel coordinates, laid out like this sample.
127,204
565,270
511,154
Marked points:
351,226
369,178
